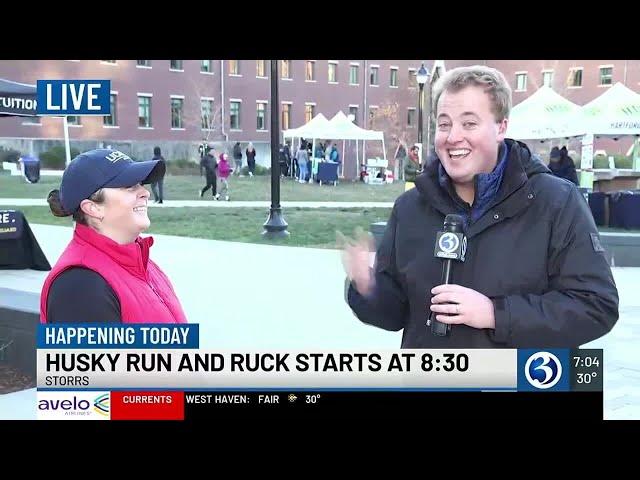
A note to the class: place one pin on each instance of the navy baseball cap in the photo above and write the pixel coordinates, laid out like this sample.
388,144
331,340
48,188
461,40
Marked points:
90,171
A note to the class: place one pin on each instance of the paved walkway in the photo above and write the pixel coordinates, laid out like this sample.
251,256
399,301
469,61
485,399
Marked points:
262,297
37,202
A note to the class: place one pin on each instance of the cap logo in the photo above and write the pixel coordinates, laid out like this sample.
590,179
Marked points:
114,156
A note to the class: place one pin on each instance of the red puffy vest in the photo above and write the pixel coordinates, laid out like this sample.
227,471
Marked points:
144,291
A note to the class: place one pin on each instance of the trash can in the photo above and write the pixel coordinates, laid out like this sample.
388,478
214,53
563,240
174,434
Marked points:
597,204
31,168
624,210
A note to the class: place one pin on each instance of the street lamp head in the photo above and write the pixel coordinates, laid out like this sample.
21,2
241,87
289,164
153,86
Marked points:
422,76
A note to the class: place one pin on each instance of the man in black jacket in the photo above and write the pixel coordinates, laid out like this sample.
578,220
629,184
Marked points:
237,159
210,165
535,274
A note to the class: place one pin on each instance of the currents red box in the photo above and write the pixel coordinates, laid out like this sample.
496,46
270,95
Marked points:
147,405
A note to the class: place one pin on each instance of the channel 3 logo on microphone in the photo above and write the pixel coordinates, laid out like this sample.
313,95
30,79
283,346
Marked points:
543,370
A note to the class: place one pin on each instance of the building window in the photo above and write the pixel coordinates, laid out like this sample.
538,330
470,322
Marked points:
206,113
373,111
143,63
144,111
308,112
411,117
353,110
547,79
234,67
33,121
175,64
286,116
112,62
112,120
333,72
373,76
73,120
285,68
260,68
310,71
205,66
353,74
177,110
234,115
261,123
575,77
521,82
413,80
393,79
606,75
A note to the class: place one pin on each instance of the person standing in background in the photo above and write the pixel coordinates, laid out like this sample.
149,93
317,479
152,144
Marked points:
237,159
224,171
251,159
157,187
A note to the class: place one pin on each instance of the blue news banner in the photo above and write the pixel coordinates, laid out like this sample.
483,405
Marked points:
138,336
528,370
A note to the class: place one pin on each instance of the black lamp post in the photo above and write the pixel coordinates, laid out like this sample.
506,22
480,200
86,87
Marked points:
275,226
422,76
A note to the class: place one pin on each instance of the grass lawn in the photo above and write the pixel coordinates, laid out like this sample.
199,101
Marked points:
308,227
185,187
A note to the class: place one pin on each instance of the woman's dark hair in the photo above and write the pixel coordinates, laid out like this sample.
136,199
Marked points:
156,151
53,199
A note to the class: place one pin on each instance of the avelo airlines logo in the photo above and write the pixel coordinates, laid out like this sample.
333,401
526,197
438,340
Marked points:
56,405
543,370
102,404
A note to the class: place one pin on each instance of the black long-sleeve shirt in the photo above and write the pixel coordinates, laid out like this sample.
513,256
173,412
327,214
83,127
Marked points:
80,295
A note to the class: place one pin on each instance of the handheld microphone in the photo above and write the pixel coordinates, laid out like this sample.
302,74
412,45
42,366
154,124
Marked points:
451,244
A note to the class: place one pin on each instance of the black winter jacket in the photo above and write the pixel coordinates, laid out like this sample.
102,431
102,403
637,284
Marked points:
535,253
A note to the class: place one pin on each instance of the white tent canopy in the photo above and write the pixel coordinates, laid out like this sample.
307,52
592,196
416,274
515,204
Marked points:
314,128
545,114
338,128
343,128
615,112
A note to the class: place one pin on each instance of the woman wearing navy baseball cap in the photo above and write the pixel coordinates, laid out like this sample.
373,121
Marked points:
105,273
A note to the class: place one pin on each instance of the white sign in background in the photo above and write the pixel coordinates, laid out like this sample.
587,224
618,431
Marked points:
586,158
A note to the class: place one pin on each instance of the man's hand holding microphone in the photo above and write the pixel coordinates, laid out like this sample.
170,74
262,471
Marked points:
449,303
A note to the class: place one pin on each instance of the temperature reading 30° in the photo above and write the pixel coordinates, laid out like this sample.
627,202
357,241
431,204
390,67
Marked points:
586,377
313,398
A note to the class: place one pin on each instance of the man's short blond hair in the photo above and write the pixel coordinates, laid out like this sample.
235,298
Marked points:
493,81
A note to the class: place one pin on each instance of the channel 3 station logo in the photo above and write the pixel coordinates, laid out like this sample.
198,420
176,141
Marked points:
448,242
74,405
543,370
451,245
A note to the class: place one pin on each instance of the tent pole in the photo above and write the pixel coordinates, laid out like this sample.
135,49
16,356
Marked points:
357,159
384,153
364,154
66,140
313,159
342,163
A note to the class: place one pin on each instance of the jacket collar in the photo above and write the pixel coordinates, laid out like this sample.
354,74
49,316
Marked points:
134,257
486,185
509,199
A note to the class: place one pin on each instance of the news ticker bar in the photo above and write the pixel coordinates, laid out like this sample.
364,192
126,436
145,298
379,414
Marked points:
480,369
204,405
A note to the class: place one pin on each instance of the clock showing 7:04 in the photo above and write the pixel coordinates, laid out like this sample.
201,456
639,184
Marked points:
586,370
